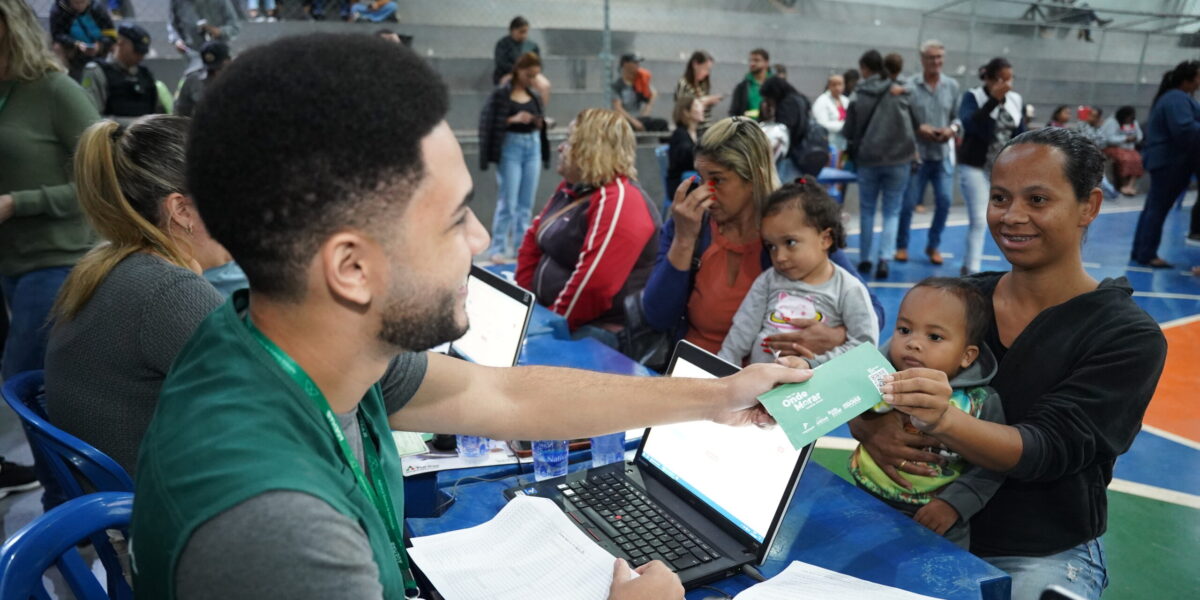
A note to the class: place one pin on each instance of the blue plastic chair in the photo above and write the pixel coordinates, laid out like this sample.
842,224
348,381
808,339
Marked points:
50,541
65,456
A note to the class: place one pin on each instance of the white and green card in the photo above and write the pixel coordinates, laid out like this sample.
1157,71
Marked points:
838,391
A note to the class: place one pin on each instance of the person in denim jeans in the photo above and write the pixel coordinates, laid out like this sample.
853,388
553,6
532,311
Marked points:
1079,361
42,230
267,13
991,114
512,133
880,127
374,11
1172,144
935,101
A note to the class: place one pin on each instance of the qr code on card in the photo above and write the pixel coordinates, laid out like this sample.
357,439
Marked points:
877,376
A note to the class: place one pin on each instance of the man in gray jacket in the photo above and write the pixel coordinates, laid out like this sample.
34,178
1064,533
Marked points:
880,135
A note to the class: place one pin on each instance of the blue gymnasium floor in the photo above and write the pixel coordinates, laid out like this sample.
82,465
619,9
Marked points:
1154,517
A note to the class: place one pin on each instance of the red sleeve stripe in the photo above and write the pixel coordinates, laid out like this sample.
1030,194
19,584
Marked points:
599,257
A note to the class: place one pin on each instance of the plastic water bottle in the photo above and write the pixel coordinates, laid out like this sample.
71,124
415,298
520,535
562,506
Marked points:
549,459
472,446
608,449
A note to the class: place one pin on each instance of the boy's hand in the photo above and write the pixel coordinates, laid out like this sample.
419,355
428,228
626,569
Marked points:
922,394
938,516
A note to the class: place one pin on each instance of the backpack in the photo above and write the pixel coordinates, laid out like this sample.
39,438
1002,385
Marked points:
812,151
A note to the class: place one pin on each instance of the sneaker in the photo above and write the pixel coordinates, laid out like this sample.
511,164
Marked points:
864,267
881,271
935,257
16,478
902,255
1193,239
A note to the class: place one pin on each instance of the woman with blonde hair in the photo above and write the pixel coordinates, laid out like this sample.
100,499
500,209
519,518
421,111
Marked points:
42,233
710,251
593,244
131,303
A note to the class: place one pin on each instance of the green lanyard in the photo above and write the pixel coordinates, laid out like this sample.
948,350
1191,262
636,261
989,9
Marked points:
376,489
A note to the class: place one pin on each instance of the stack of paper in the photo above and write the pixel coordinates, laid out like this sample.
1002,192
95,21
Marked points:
802,580
530,549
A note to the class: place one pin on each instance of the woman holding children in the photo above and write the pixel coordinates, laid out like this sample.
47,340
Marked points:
1078,364
711,249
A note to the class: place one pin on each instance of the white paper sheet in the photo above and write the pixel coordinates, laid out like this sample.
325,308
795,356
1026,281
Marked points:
530,549
802,580
498,454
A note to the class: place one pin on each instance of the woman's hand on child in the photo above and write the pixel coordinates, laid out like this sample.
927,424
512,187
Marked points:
922,394
810,338
938,516
894,449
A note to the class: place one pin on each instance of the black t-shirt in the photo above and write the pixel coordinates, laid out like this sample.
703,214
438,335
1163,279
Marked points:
528,106
1075,383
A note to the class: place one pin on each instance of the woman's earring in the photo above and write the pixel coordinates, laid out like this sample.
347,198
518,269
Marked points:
189,229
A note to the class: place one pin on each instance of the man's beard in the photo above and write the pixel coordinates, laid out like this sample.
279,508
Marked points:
417,326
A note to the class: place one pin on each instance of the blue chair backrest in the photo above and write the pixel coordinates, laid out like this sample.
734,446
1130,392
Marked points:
50,540
63,454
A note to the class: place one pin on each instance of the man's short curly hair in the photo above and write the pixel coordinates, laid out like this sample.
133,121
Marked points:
305,137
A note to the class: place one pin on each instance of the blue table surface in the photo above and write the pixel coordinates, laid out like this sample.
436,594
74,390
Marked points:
830,524
586,353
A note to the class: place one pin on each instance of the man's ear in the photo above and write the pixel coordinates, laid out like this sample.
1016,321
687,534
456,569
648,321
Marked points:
347,261
969,356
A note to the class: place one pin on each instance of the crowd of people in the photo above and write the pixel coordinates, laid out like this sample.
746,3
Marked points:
129,237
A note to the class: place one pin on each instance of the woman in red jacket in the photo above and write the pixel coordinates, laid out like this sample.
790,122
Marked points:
594,243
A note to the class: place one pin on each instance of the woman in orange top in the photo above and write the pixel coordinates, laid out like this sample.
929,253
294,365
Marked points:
718,223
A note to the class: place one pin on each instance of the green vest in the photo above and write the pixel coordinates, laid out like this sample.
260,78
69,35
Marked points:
231,425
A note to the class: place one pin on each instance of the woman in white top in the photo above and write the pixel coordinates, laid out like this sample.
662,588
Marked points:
830,110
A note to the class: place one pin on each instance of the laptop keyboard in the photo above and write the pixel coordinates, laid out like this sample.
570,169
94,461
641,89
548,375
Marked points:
641,527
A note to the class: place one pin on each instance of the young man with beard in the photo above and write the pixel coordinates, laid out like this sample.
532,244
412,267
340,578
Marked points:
269,470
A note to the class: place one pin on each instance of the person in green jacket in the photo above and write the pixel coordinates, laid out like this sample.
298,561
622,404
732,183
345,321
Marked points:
42,231
269,469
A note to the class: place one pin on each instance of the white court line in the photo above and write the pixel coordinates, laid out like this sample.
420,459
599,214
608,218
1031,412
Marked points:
1178,439
1180,321
1118,485
830,442
855,229
1155,493
1168,295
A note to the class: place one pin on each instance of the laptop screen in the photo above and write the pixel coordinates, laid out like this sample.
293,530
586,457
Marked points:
498,312
743,473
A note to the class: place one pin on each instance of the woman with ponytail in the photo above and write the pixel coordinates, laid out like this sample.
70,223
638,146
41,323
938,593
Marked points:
131,303
1170,151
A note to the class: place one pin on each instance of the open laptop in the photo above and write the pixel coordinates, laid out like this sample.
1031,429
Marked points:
498,312
703,498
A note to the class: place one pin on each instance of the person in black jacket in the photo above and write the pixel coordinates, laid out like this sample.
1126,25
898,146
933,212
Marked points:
1079,362
791,108
747,95
122,87
512,134
681,148
82,31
